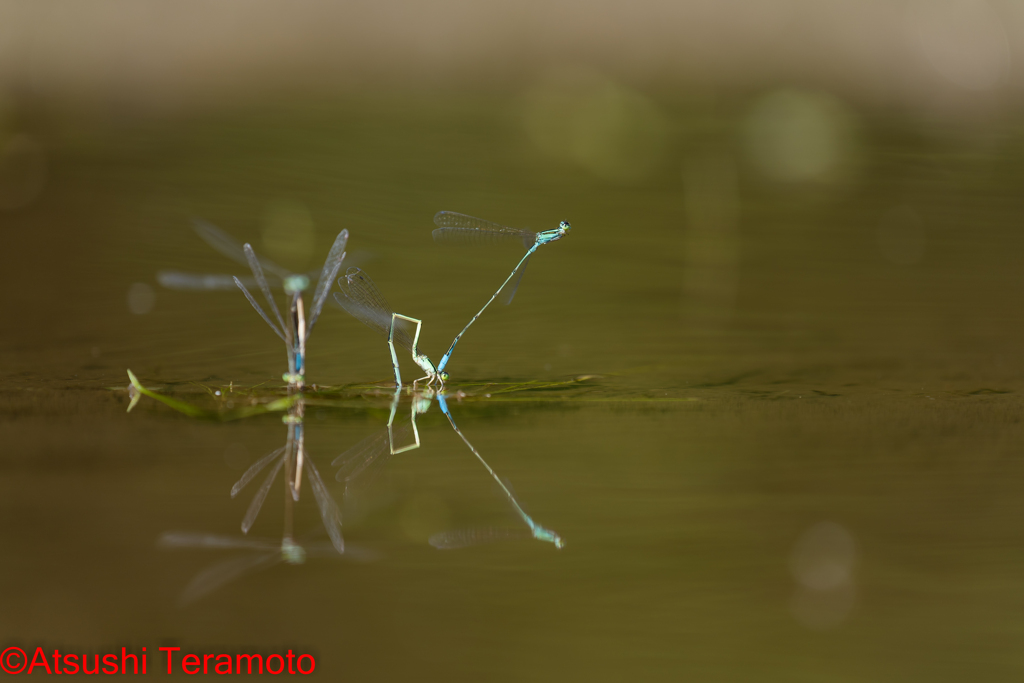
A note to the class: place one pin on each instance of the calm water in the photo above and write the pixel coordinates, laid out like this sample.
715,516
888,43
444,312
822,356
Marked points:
797,456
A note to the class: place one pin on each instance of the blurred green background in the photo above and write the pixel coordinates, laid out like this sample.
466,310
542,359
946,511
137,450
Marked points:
793,279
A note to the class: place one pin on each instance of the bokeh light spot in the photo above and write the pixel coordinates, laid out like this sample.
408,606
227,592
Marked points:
583,118
822,563
141,298
797,136
963,40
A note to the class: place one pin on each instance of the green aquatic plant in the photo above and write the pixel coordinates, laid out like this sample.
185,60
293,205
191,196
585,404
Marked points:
233,401
136,389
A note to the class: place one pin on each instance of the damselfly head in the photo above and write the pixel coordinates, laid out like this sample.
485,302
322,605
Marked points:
542,534
564,226
292,552
296,283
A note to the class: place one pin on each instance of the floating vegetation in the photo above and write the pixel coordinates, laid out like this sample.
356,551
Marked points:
235,401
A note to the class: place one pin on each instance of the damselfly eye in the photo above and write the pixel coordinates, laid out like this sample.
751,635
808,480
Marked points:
564,225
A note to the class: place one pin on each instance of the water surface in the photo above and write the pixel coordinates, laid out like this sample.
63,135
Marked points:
781,439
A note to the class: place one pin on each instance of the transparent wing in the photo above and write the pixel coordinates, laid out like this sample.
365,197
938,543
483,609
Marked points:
370,464
226,245
212,282
195,282
365,472
257,272
329,511
187,539
331,266
511,292
364,302
222,573
459,228
261,495
278,331
463,538
355,455
254,470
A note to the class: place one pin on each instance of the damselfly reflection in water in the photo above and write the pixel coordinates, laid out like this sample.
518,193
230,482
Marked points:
366,459
360,297
263,553
361,464
293,459
459,228
259,554
461,538
295,332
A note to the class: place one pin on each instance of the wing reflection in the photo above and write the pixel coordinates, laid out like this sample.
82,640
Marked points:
262,553
359,466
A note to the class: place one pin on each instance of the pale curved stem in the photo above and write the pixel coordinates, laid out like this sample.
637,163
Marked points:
394,356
